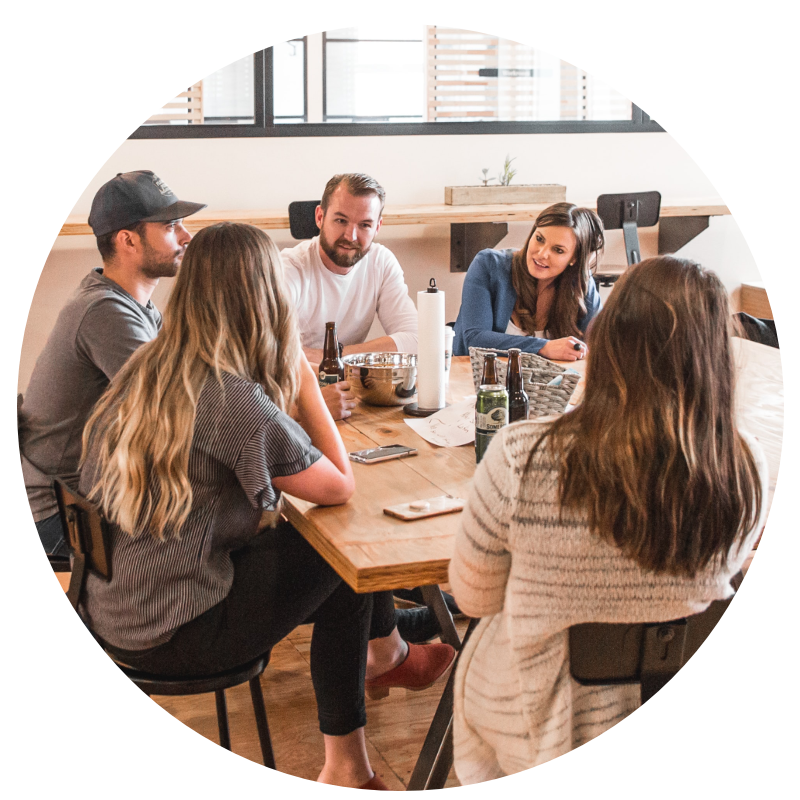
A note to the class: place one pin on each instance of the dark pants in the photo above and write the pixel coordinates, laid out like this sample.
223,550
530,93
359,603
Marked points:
279,582
383,615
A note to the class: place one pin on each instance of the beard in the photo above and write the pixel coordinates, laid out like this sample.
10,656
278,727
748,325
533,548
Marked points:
347,259
156,265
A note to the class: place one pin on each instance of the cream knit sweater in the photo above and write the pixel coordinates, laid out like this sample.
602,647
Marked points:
530,577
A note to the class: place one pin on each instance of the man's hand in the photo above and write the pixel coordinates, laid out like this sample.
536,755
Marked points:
339,399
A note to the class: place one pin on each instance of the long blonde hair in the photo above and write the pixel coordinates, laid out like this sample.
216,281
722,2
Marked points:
652,454
228,312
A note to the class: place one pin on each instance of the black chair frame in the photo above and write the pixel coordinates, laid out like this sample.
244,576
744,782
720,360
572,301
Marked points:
650,654
89,538
630,212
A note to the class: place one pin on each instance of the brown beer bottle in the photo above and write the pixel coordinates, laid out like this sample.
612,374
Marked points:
489,376
331,368
517,397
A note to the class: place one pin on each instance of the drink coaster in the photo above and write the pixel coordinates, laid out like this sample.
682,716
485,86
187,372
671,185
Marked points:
413,410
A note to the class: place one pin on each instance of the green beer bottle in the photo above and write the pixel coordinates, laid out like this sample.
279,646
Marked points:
491,414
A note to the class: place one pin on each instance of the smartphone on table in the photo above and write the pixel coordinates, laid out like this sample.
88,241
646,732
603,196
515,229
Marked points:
384,453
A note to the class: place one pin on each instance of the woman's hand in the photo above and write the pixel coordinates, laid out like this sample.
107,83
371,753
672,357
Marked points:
564,349
328,481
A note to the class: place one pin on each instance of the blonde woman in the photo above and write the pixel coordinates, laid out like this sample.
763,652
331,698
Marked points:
638,506
190,444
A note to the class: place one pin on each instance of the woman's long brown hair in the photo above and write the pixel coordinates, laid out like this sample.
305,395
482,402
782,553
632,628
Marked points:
652,453
228,312
571,284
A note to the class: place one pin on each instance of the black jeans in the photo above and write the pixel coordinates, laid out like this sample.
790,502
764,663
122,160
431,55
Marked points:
383,615
279,582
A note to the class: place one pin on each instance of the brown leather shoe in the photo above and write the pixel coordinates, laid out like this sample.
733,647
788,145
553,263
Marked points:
423,666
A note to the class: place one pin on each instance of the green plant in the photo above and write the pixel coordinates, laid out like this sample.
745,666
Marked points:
508,173
485,178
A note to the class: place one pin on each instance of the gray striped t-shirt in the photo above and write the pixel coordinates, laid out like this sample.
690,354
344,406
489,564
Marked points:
242,440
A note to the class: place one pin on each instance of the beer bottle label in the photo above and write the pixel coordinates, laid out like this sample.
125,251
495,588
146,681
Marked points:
493,420
326,378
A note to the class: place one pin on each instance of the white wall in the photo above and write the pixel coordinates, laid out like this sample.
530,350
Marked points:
269,173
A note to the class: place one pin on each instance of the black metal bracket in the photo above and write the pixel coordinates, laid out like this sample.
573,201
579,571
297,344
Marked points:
467,239
675,232
662,655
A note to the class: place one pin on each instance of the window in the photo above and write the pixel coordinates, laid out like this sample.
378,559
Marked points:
223,98
373,76
412,79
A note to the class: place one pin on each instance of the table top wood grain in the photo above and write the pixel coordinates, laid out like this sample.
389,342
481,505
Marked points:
372,551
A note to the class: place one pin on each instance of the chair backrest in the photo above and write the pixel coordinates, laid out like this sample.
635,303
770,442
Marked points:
757,330
302,223
646,653
88,535
629,212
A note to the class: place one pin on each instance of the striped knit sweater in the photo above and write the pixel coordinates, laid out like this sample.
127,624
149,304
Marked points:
530,577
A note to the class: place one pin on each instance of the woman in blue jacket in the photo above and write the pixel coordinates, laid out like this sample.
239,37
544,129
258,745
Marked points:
540,298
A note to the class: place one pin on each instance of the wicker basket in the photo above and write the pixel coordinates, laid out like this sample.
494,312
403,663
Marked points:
537,373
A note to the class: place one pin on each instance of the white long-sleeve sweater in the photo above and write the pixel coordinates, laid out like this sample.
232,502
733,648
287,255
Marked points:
530,577
375,285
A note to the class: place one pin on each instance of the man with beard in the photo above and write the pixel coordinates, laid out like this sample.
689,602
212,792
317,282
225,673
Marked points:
343,275
138,222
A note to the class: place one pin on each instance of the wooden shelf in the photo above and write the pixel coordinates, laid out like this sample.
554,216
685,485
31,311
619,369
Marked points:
441,214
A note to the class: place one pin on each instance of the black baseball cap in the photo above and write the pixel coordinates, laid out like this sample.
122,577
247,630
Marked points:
132,197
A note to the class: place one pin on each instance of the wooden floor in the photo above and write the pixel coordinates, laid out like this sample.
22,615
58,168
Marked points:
396,725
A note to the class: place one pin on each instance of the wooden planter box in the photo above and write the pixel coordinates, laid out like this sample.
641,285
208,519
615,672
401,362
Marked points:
491,195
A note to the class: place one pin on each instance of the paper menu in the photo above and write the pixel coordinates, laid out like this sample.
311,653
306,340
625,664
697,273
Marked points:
450,427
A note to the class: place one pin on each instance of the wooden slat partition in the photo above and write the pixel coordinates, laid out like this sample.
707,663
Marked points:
187,106
455,58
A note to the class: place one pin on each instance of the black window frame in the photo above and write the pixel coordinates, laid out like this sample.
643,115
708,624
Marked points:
265,125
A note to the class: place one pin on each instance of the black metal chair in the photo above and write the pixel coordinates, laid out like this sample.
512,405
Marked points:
629,212
302,221
650,654
89,538
758,330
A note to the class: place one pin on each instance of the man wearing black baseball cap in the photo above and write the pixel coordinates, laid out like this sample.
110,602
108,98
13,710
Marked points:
138,222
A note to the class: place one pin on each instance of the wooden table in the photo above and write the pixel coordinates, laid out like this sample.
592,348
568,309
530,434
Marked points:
759,400
369,549
372,551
